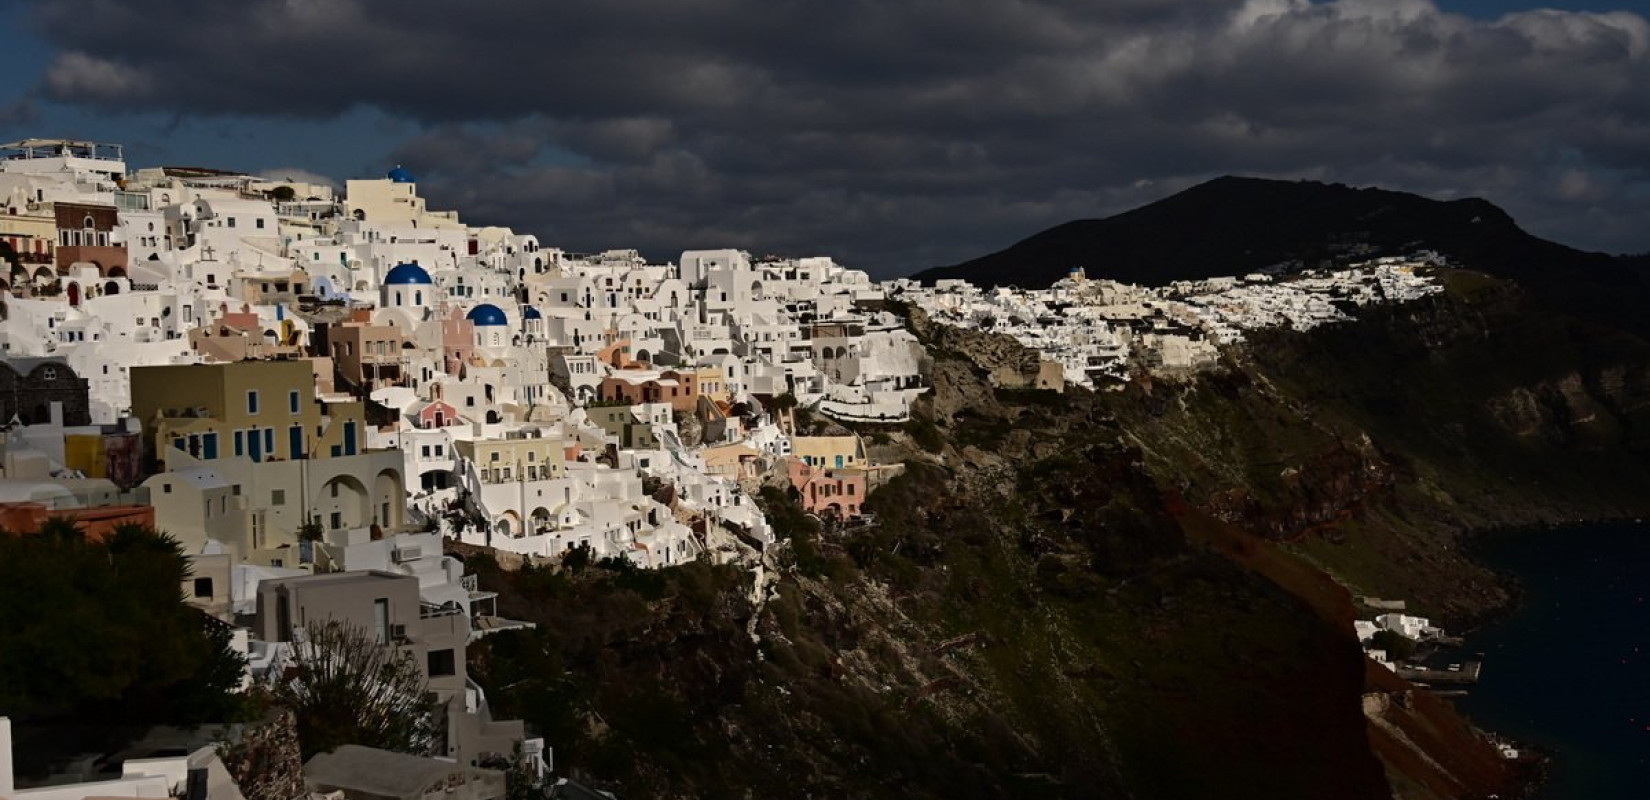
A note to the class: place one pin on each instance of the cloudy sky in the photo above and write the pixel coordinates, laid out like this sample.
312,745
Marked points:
893,134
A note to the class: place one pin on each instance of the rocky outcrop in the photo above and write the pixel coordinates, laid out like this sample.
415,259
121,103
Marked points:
265,761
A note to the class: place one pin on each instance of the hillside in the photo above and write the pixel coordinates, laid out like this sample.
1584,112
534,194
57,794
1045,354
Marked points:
1234,225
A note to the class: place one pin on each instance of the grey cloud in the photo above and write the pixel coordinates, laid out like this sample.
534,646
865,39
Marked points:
899,135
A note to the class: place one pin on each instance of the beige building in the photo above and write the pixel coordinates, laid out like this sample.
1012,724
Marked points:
393,200
259,410
251,455
830,452
366,354
505,460
713,384
389,609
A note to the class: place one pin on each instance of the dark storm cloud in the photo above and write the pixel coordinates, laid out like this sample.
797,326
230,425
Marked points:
898,135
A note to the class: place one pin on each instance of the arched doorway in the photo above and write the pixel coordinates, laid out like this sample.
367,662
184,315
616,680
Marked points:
388,499
343,503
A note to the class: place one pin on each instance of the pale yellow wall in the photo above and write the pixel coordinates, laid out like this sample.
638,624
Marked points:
821,451
222,391
519,454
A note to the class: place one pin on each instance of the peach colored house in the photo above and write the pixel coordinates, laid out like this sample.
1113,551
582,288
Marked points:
97,521
458,342
635,387
828,492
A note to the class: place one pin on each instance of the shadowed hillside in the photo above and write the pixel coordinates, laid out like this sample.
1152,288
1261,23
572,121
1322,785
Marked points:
1232,225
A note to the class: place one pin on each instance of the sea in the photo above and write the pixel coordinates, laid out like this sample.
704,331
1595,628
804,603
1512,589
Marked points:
1568,671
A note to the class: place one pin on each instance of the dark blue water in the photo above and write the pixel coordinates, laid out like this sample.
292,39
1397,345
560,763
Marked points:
1569,671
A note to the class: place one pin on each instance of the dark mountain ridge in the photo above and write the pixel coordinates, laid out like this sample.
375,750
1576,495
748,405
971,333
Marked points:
1235,225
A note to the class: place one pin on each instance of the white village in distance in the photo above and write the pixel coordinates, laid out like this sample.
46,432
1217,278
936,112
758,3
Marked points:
319,392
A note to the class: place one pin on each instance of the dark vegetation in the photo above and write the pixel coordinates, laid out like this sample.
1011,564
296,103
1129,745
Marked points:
96,642
346,688
99,630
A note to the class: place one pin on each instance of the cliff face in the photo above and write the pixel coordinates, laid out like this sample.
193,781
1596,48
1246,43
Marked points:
1372,448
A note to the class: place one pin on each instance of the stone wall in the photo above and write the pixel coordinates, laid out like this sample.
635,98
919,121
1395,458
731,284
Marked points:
266,762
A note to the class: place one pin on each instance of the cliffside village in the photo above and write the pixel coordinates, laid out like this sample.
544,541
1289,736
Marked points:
1097,330
317,393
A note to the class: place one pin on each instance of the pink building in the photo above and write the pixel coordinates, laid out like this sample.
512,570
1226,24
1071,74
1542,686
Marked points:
458,342
828,492
437,415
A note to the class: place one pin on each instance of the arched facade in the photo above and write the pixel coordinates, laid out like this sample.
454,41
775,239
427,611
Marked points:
388,499
344,503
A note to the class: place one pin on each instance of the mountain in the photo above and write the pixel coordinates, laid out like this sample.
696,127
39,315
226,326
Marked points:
1235,225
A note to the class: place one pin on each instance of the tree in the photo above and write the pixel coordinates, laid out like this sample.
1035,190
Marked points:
282,194
346,688
1398,647
784,402
100,629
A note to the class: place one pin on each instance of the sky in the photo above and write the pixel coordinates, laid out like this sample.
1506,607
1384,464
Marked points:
892,135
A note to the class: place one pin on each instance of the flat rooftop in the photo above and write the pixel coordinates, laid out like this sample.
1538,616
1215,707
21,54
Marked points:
55,148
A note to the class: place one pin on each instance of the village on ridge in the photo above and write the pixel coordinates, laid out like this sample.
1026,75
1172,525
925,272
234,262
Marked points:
319,393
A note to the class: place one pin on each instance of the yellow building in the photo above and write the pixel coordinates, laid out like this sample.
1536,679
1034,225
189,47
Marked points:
393,200
527,458
258,410
830,452
713,383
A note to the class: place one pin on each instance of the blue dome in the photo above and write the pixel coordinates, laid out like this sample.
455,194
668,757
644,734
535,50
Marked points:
487,314
407,273
531,313
400,175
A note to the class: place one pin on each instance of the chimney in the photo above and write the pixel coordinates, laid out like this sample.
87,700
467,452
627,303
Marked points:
6,785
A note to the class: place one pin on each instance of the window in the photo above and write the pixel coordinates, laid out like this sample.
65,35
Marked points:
252,402
426,451
209,446
166,488
231,222
260,223
337,520
442,663
269,441
380,616
240,443
335,491
203,587
277,497
292,400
